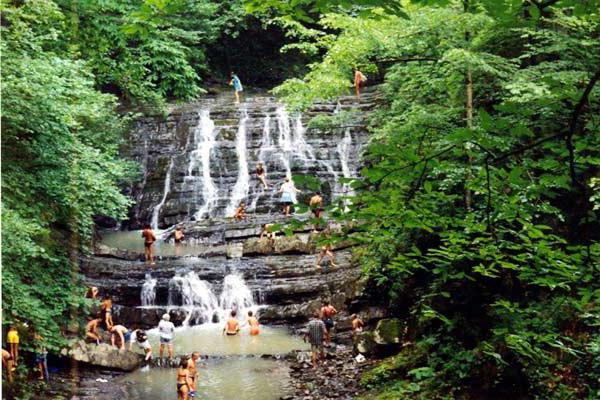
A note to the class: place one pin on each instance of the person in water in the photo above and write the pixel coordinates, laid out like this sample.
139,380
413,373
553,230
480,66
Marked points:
142,338
253,323
288,195
327,313
184,383
165,330
149,239
261,174
357,324
240,212
316,206
91,330
41,357
237,86
7,365
359,80
193,371
315,331
12,339
178,235
121,335
232,326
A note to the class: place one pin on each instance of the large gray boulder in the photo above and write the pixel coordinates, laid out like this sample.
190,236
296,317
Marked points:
295,244
103,355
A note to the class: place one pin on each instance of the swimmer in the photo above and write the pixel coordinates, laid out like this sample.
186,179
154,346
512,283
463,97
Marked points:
232,326
253,323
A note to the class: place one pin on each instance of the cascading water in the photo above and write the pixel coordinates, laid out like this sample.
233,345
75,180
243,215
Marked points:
240,190
148,296
343,148
204,138
235,295
166,190
303,149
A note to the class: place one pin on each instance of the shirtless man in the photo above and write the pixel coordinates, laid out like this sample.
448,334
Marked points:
193,372
327,313
122,334
240,213
7,364
316,206
178,236
91,330
149,239
232,326
357,324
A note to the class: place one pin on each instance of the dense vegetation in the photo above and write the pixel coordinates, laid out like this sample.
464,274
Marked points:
477,213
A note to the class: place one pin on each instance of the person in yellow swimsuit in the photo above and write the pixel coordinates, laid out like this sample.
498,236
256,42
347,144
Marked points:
12,338
253,323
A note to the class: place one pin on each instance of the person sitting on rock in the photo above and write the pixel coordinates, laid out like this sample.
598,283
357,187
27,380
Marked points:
326,251
232,326
91,330
240,212
357,324
193,372
142,338
268,232
122,334
327,313
315,331
261,174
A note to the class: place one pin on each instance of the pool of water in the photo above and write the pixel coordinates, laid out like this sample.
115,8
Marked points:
133,241
209,340
237,378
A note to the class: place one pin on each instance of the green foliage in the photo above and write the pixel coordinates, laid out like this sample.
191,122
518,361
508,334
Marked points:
481,231
60,167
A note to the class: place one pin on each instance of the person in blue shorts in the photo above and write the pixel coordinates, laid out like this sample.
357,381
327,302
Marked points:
237,86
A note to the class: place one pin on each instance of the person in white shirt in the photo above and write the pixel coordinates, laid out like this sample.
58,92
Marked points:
165,330
288,195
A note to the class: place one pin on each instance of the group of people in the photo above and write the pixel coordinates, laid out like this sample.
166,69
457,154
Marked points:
10,357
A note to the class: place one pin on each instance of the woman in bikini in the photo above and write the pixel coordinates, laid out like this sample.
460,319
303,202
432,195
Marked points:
253,323
184,383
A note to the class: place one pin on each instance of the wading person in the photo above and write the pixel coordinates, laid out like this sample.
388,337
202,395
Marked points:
232,326
261,174
327,313
193,371
12,339
315,331
120,335
142,339
316,206
288,195
237,86
178,236
149,239
7,365
359,80
41,357
240,212
165,331
91,330
184,382
253,324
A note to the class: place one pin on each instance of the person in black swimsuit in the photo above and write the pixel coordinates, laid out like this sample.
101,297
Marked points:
184,383
262,174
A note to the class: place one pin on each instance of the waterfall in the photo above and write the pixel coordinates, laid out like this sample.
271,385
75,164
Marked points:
166,190
301,148
343,148
195,295
240,190
265,142
148,296
204,138
235,295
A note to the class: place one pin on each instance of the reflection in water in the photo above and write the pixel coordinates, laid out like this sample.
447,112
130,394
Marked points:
209,340
238,378
132,240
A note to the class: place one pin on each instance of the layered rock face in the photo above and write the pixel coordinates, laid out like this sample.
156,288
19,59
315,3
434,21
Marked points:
200,161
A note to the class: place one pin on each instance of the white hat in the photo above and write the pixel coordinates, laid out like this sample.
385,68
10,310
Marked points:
166,317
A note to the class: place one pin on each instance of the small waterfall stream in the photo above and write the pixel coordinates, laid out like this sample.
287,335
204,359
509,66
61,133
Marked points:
148,296
240,190
167,189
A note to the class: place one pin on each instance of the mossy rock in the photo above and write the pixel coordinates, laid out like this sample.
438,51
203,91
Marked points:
364,343
388,331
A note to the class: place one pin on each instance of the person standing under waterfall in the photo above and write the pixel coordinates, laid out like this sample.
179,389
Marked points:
288,195
193,372
261,174
165,331
359,79
316,206
237,86
327,313
149,239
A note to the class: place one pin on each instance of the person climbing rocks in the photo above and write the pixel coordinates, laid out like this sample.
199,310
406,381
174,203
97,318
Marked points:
41,357
267,231
165,331
357,324
193,372
232,326
316,205
142,339
326,251
8,365
288,195
149,239
315,331
359,80
237,86
121,335
91,330
261,174
240,212
12,339
253,323
106,309
92,293
327,313
184,382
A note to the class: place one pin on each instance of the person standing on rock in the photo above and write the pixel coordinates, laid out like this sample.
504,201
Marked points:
149,239
315,331
106,308
165,330
327,313
178,236
41,357
12,339
91,330
237,86
193,372
288,195
357,324
261,174
184,383
359,80
316,206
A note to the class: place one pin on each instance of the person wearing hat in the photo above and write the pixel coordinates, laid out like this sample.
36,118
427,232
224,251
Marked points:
165,330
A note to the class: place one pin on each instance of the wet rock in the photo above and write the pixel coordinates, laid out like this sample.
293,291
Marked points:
282,245
364,343
235,250
103,355
388,331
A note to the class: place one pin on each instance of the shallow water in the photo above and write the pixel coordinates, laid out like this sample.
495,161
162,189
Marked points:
237,378
208,339
133,241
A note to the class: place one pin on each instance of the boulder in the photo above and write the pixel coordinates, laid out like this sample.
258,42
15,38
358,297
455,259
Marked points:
388,331
364,343
294,244
101,250
103,355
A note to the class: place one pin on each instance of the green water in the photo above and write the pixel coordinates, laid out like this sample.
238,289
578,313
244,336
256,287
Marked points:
133,241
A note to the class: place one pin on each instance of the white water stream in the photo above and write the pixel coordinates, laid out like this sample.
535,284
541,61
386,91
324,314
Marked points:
166,190
240,190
